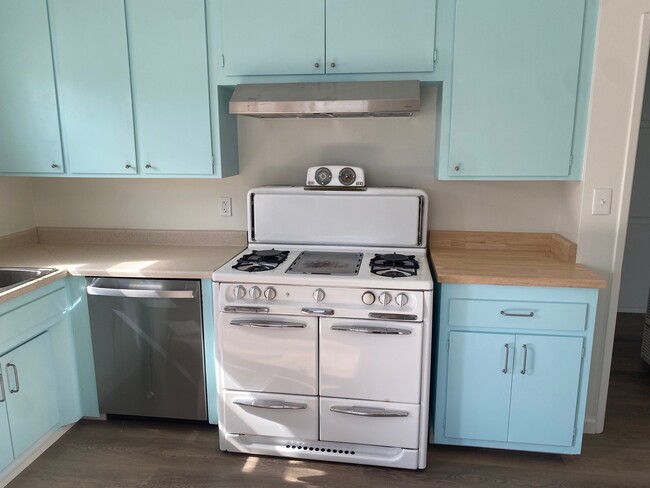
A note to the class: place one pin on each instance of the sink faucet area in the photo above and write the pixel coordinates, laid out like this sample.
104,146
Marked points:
12,277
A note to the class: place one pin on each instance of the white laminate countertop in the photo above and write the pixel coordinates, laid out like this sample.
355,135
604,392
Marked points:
120,260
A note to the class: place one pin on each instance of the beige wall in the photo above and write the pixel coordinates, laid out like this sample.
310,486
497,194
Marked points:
16,212
393,151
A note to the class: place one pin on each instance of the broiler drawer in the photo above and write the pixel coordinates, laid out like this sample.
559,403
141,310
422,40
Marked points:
270,414
363,422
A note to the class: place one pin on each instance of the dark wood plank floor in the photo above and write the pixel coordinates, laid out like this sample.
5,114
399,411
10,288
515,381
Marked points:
121,453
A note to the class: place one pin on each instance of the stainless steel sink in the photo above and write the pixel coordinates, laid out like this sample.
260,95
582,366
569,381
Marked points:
12,277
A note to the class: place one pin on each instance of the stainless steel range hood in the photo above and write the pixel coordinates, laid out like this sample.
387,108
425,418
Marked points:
332,99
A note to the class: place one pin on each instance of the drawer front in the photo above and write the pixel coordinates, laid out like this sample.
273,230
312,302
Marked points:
371,360
270,414
517,314
33,313
268,353
363,422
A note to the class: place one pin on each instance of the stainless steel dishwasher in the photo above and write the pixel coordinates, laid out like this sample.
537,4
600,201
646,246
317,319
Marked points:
147,340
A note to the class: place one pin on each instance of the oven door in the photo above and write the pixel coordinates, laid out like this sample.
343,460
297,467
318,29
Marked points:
270,353
371,359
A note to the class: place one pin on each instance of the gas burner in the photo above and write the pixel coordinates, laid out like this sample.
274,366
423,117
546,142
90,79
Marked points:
262,260
394,265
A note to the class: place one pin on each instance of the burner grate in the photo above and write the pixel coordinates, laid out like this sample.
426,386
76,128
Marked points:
394,265
261,260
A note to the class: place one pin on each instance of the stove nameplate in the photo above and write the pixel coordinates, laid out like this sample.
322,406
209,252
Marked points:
327,263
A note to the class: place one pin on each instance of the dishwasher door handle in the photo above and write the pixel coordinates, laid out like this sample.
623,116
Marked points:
131,293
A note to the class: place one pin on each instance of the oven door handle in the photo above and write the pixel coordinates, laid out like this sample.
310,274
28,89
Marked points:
368,411
392,316
270,404
267,324
243,309
372,329
317,311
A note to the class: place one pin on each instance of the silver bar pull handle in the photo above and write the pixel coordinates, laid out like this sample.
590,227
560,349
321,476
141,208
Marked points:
525,347
241,309
505,368
372,329
2,389
317,311
392,316
270,404
267,324
511,314
131,293
17,389
368,411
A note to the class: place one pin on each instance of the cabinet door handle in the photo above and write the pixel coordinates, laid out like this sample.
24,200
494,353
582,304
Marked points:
510,314
505,368
267,324
525,348
17,389
2,389
372,329
270,404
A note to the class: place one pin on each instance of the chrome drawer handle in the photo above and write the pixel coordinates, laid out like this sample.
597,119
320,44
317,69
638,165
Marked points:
230,308
510,314
317,311
267,324
372,329
525,347
17,389
132,293
368,411
270,404
505,368
391,316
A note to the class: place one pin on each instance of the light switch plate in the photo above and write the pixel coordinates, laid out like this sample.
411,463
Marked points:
602,201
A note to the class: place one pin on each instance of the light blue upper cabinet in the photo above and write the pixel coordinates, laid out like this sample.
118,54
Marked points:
325,37
375,36
30,140
92,64
516,89
277,37
169,70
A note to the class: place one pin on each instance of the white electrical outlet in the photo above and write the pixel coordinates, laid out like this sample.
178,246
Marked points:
602,201
225,209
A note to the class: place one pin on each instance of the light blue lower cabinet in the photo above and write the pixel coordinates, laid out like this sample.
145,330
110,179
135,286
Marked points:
501,383
6,451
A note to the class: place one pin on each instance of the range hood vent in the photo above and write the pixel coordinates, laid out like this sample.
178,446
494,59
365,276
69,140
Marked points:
332,99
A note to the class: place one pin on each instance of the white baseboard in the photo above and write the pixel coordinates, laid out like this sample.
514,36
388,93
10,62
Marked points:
591,426
28,457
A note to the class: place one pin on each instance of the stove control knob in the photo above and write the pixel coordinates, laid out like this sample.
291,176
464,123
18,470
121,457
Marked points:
239,291
319,295
368,298
255,292
384,298
270,293
401,299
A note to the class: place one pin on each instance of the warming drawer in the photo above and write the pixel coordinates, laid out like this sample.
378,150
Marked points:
269,414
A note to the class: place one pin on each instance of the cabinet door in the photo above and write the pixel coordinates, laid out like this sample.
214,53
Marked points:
30,141
6,452
280,37
514,90
167,41
31,397
545,390
90,49
479,379
374,36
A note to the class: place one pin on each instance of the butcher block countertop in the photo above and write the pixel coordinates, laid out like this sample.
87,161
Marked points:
508,258
118,252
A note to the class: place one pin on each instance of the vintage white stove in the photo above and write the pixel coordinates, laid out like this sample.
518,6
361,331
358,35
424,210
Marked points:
324,328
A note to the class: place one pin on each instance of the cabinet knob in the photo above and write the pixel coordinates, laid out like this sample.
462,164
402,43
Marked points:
54,166
333,64
316,65
148,166
128,166
457,167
